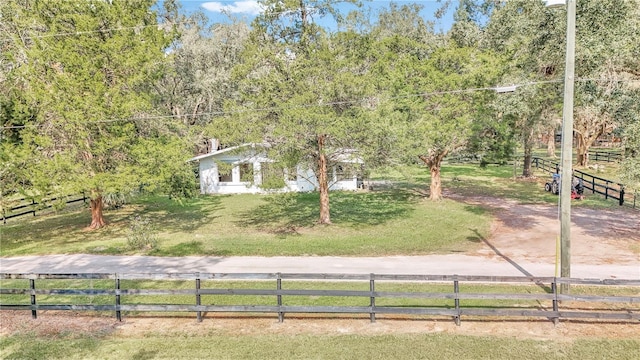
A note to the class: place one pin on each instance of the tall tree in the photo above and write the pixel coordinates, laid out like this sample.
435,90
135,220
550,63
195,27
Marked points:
607,35
83,70
529,36
404,20
631,163
197,80
532,37
300,84
430,104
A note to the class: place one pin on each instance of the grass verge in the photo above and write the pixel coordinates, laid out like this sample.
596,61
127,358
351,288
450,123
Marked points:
312,346
388,222
394,219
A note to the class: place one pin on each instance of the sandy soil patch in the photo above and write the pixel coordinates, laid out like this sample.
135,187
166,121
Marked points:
56,324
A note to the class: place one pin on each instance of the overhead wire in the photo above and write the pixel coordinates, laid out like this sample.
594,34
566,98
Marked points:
76,33
82,32
306,106
278,108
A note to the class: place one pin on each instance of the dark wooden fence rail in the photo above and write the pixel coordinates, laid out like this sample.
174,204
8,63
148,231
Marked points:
544,164
29,206
609,189
541,299
597,185
607,156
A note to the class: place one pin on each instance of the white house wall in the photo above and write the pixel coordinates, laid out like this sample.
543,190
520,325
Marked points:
305,179
347,185
208,176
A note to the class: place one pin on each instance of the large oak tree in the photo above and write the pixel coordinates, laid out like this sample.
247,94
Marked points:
82,71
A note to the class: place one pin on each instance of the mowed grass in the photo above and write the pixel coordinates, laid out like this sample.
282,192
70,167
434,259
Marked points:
387,222
221,345
396,218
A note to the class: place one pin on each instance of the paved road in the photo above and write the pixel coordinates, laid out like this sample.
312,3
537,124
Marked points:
432,264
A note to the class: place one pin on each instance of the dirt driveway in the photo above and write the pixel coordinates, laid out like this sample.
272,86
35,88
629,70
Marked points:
529,233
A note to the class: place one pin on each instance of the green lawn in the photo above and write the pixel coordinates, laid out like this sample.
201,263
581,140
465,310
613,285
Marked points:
220,345
364,224
395,218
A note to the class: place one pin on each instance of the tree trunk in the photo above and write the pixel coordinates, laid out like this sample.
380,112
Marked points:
323,183
97,219
435,189
528,149
551,143
526,167
582,150
434,161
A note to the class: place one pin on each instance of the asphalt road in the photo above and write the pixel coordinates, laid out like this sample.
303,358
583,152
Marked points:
432,265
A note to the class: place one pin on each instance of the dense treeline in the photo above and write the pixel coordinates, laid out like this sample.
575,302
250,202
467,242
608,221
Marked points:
112,97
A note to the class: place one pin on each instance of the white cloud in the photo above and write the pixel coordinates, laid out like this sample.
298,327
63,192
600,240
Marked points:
239,7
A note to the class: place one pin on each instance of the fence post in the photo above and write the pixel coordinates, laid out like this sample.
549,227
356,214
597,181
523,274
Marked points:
279,287
118,312
456,290
198,303
372,302
554,289
32,286
621,194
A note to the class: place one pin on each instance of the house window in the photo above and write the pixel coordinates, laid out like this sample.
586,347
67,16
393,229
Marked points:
344,172
225,172
246,172
272,175
225,177
291,174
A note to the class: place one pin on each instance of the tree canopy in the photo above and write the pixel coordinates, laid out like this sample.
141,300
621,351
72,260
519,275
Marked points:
111,97
76,104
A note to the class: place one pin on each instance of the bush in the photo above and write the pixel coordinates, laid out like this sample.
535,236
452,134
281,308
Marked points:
141,234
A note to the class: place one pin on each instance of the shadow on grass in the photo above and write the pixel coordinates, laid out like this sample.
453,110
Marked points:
53,345
283,213
67,228
180,216
508,259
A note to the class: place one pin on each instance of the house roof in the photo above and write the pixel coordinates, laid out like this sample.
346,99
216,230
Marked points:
227,150
346,155
218,152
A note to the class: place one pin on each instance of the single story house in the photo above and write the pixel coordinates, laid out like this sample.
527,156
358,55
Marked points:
243,169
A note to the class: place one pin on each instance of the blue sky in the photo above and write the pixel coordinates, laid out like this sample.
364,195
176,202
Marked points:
248,9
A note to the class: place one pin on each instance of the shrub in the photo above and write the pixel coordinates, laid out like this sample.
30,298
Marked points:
141,234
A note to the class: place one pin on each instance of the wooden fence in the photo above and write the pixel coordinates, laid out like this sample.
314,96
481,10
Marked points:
606,156
279,293
30,206
597,185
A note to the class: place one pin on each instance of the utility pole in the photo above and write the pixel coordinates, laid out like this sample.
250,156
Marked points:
566,177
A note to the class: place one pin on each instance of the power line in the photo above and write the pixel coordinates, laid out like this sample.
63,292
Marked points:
303,106
76,33
306,106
